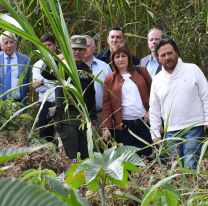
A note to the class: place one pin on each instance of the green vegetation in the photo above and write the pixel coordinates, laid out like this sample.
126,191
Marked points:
114,177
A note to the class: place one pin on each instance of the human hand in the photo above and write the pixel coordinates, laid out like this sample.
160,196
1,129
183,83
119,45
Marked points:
61,56
146,117
36,83
156,140
106,134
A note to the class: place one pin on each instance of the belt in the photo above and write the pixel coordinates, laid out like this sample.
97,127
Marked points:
130,122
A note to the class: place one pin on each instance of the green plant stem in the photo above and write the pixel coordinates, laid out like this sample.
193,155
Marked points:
102,187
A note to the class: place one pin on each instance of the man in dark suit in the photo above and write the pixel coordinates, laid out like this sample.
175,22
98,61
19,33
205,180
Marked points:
12,66
150,61
115,37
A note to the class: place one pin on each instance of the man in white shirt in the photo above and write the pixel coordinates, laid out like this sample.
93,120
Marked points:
99,69
150,61
42,85
179,95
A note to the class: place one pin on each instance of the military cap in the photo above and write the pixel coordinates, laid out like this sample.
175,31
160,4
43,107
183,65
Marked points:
78,41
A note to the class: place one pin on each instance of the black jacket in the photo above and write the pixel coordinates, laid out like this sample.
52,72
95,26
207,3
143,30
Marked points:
105,56
86,82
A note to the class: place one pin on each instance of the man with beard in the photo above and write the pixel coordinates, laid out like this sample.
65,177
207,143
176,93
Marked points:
179,95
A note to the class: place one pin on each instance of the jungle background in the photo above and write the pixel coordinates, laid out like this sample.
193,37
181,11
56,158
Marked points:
185,21
153,184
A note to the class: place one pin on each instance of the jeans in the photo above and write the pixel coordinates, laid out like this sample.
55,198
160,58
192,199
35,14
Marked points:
189,149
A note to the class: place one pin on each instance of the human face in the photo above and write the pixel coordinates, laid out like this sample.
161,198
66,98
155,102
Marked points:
90,49
168,57
78,54
50,45
153,39
121,61
8,45
115,38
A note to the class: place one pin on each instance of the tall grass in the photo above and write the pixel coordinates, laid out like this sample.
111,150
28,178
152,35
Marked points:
19,24
185,21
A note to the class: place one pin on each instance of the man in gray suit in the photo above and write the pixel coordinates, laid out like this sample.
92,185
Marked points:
12,66
150,61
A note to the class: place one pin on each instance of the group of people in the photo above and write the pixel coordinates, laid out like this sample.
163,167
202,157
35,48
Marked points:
139,97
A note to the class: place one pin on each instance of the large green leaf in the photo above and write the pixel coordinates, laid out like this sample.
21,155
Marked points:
110,163
115,169
91,168
150,196
76,199
7,154
18,193
75,179
56,186
128,154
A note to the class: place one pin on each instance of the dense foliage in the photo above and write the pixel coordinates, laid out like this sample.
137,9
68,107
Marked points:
116,176
185,21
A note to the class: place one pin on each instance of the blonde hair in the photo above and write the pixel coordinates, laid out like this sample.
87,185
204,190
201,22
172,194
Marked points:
91,38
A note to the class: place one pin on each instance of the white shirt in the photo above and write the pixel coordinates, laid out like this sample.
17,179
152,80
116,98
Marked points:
132,106
14,74
36,71
182,96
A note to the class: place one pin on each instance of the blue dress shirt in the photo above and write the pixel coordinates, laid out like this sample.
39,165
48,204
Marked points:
101,67
152,66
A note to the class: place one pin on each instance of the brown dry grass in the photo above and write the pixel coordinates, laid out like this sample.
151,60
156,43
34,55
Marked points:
46,157
140,182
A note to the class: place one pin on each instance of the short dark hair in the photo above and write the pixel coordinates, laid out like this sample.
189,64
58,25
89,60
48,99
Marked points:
122,48
47,37
163,42
117,28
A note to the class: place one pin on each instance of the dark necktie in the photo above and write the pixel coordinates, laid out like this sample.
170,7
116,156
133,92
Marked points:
7,84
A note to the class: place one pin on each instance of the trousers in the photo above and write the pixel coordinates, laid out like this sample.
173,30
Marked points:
73,137
138,128
189,149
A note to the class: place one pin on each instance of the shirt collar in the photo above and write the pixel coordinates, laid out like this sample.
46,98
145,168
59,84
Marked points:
176,69
13,55
151,58
94,60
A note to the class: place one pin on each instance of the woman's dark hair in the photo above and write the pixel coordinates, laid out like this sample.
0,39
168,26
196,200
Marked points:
47,37
122,48
163,42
